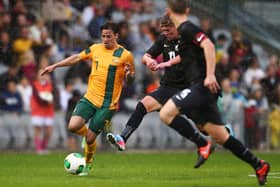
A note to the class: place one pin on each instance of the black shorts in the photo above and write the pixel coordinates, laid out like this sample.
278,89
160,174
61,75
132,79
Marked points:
199,104
163,93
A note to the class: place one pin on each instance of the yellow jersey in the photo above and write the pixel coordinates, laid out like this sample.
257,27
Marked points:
105,81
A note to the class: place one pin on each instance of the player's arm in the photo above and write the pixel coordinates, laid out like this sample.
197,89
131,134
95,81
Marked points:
129,69
149,61
71,60
169,63
191,34
210,57
155,50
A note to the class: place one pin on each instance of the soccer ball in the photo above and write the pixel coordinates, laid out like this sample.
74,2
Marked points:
74,163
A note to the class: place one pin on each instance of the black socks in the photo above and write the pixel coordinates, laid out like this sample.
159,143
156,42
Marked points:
134,121
238,149
186,129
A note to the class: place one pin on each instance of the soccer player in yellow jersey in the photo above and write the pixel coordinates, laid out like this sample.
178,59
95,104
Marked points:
111,64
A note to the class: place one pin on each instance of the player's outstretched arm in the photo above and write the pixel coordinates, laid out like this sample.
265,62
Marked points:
209,52
65,62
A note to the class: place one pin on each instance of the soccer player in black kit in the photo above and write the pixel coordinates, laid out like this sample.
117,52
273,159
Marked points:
199,100
171,82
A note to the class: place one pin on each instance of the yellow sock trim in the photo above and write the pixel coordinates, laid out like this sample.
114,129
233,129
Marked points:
89,151
82,131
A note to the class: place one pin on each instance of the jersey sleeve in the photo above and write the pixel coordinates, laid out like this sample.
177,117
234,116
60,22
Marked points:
190,33
156,49
130,61
87,53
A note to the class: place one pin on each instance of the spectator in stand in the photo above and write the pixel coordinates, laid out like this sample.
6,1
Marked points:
224,67
220,47
78,31
232,109
65,94
240,50
96,22
16,27
12,73
88,13
36,30
5,21
270,82
122,4
260,115
22,45
42,111
11,108
250,123
6,52
254,72
274,118
125,38
25,89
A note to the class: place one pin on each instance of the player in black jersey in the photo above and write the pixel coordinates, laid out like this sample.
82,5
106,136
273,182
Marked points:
199,100
171,83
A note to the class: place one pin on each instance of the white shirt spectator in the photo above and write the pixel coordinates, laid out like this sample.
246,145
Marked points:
252,74
26,93
88,14
64,98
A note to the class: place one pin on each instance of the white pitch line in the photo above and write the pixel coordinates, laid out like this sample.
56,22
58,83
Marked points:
271,175
274,173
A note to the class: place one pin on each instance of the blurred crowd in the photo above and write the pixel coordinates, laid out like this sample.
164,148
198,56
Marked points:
35,34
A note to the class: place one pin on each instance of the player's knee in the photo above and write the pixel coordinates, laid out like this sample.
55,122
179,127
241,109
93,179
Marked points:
71,127
90,137
165,116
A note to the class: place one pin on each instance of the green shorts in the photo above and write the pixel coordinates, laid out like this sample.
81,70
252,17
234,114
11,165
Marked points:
99,117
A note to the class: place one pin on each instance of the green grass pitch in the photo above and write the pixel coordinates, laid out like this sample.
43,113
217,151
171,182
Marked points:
166,169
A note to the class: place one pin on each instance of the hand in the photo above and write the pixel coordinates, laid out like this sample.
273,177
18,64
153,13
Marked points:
211,83
129,76
47,69
151,64
127,69
163,65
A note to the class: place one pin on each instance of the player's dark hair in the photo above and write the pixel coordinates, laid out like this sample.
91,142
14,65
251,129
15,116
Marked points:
166,21
178,6
110,26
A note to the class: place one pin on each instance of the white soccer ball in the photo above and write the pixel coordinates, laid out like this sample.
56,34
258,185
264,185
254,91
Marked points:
74,163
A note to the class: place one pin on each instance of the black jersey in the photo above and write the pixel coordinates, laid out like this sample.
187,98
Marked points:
190,37
169,50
